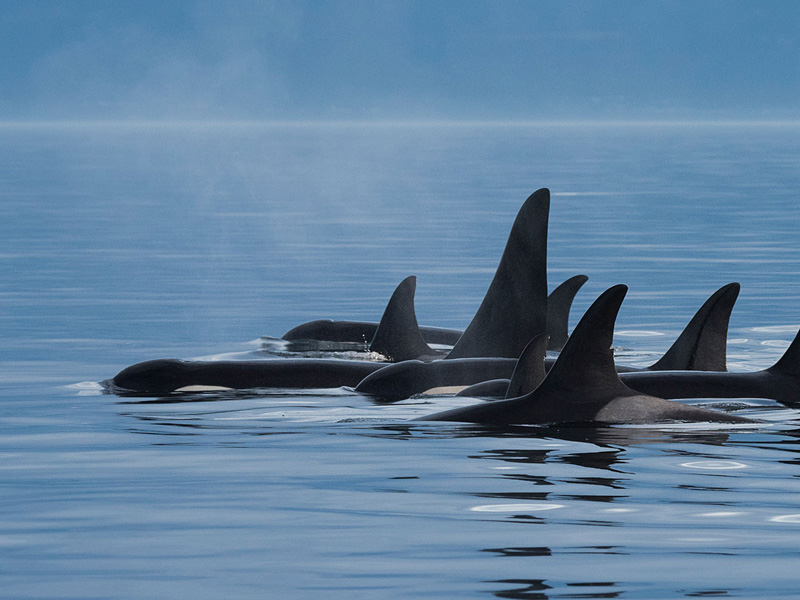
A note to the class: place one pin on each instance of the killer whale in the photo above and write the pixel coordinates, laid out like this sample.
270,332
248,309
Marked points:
514,308
399,381
559,304
702,344
163,376
397,336
361,332
780,382
528,373
583,385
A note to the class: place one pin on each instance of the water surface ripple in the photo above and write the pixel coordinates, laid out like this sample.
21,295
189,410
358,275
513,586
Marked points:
123,243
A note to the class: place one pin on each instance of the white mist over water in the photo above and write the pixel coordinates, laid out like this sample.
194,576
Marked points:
123,243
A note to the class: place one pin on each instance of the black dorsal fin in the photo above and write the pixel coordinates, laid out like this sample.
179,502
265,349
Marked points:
397,336
702,345
789,363
559,303
587,361
529,372
514,309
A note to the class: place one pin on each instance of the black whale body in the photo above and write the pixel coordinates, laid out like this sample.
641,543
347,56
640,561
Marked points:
701,345
559,303
513,310
362,332
163,376
774,383
401,380
398,381
398,336
583,385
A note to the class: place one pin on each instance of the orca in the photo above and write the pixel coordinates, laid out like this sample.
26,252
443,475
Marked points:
559,303
528,373
361,332
583,385
163,376
399,381
702,344
780,382
397,336
514,309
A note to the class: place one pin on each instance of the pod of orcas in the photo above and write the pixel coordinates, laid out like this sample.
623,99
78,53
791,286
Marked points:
501,355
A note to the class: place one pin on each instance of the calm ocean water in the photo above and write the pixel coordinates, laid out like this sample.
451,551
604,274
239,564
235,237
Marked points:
124,243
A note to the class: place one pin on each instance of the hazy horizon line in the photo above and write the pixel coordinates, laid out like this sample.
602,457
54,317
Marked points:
400,122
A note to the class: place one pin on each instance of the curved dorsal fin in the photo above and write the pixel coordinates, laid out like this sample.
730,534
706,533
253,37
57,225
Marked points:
559,303
702,345
587,361
789,363
514,309
397,336
529,372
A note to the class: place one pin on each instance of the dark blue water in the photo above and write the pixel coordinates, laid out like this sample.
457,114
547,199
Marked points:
124,243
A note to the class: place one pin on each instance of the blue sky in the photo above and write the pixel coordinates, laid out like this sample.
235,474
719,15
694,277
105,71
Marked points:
320,59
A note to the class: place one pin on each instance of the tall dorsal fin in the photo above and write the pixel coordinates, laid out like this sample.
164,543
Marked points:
559,303
514,309
529,372
397,336
702,345
789,363
587,361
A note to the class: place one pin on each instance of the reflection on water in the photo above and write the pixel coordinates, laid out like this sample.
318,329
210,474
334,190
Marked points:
532,589
119,245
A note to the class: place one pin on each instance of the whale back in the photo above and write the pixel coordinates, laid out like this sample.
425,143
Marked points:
514,309
702,345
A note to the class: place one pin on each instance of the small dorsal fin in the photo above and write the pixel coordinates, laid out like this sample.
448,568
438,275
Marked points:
587,361
397,336
789,363
702,345
559,303
514,309
529,372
